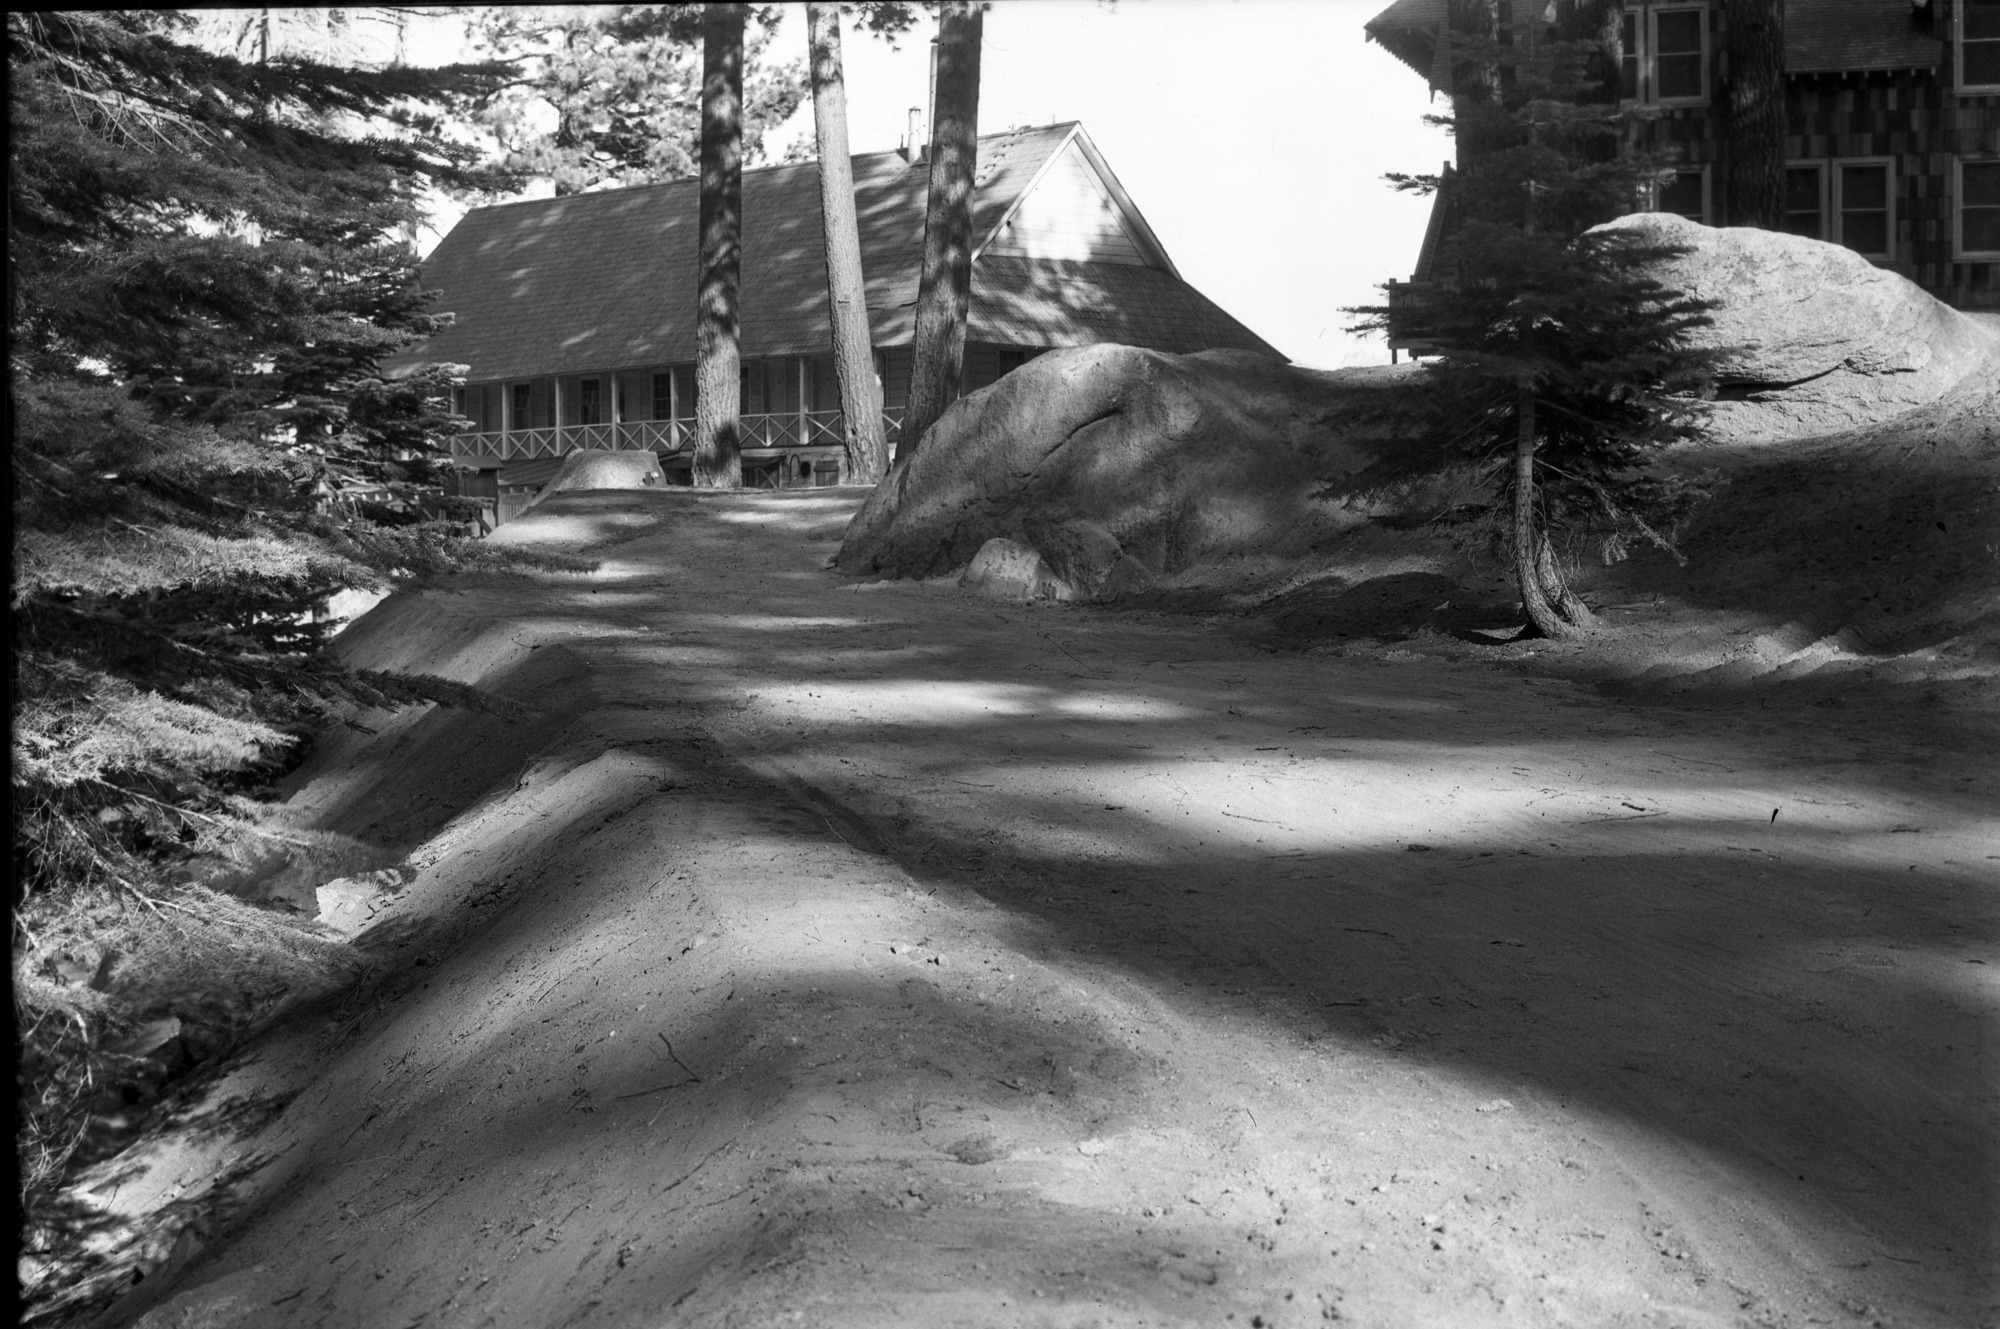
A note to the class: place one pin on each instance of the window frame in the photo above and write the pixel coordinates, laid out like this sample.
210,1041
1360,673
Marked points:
1958,40
1818,166
1958,250
1649,65
1707,191
1645,58
1834,205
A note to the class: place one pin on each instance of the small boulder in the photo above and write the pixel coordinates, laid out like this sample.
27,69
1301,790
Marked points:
350,904
600,468
1009,570
1128,576
1080,553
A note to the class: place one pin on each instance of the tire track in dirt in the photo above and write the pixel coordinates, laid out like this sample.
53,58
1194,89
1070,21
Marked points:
1080,1047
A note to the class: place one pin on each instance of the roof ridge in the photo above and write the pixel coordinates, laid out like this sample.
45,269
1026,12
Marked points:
1019,131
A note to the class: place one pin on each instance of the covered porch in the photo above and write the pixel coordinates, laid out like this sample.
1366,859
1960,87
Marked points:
760,437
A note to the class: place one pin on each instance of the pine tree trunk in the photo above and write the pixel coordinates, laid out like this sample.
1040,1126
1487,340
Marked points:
944,292
1475,72
1602,24
1754,114
718,383
1556,588
847,299
1529,543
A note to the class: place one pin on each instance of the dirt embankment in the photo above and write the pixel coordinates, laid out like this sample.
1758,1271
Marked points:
840,952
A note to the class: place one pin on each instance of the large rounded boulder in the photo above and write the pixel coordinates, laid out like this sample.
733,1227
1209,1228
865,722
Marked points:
1815,338
1116,464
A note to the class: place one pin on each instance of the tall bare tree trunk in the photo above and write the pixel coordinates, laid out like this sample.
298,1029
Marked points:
945,291
718,385
846,294
1754,114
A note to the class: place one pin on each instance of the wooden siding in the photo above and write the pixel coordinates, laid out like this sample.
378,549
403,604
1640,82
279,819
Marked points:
1068,215
1870,82
1913,119
895,366
987,364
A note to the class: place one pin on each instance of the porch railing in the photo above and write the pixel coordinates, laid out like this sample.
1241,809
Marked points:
787,429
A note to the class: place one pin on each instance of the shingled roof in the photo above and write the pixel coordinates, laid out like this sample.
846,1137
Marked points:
1821,36
606,280
1853,36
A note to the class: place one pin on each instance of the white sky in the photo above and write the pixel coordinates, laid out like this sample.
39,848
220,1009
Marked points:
1253,135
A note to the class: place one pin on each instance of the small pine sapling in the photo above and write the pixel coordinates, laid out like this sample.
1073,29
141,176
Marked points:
1562,365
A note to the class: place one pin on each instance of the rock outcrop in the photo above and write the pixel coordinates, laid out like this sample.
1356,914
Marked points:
1816,338
599,468
1116,465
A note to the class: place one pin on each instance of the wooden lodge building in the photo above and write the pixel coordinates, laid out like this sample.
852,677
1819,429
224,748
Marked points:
1893,126
575,316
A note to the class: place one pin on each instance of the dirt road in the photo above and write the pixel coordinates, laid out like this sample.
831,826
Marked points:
844,954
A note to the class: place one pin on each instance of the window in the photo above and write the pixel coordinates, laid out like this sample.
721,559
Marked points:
1684,192
1805,200
663,396
781,386
822,387
1864,207
1680,58
1978,46
523,395
589,403
1665,55
1979,209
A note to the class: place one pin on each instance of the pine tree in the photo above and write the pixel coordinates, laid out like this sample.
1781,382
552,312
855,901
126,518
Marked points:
944,290
204,275
846,293
718,461
1753,98
609,95
1563,364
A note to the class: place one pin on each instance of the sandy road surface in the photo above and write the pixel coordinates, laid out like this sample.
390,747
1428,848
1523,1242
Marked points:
848,954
